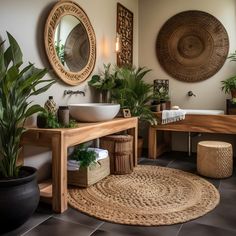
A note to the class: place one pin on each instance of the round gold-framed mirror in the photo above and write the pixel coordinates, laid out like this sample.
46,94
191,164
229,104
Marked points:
70,42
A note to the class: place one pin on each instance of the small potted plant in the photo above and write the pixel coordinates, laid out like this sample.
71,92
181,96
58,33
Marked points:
229,85
104,82
19,193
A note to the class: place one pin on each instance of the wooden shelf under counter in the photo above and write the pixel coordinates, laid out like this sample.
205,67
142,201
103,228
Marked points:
58,140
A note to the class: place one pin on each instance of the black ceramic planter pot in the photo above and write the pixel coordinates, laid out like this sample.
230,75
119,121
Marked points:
19,199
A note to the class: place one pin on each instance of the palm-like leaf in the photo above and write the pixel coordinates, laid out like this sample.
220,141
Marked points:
16,87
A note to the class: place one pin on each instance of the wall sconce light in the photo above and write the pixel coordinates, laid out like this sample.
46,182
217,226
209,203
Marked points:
118,43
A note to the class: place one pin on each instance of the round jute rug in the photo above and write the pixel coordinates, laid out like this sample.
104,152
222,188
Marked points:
151,195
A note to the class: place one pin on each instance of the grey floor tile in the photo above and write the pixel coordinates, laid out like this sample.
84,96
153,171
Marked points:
105,233
223,216
229,183
59,227
196,229
228,196
72,215
140,230
182,165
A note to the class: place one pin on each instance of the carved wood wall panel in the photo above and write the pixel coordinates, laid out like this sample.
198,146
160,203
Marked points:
192,46
125,30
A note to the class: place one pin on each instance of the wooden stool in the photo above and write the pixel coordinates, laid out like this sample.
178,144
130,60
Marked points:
214,159
120,149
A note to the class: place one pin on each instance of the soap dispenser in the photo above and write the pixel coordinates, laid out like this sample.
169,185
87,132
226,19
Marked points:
50,105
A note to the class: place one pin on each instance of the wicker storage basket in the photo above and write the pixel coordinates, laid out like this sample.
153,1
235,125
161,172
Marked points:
85,177
120,149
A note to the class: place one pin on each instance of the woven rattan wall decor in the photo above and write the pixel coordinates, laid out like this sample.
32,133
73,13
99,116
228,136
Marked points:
192,46
125,29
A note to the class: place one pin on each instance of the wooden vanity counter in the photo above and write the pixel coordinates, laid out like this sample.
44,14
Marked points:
58,140
225,124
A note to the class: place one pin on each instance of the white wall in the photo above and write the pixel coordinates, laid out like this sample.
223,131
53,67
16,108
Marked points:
25,20
152,15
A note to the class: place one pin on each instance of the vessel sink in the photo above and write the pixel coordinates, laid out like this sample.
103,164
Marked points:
93,112
203,112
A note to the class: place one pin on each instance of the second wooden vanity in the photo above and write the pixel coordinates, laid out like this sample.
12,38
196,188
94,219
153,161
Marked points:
160,135
58,140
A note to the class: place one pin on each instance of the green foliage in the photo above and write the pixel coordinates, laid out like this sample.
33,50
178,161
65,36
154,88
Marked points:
17,86
52,121
85,156
105,81
230,83
127,87
60,50
161,95
133,93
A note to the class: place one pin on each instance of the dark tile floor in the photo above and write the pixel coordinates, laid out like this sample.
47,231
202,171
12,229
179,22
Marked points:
219,222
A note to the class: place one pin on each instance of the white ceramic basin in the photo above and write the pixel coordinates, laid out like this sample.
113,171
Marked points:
94,112
203,112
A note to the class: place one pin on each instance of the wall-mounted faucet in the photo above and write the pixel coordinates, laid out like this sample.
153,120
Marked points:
70,92
191,94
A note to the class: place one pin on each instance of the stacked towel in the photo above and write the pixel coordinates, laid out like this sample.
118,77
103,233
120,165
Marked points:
74,165
100,153
169,116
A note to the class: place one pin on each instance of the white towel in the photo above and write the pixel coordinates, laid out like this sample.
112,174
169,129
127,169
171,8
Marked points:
100,153
169,116
73,165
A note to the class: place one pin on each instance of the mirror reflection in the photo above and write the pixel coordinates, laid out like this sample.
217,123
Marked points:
72,43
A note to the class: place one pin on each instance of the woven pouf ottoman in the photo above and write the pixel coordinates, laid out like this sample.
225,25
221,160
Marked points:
214,159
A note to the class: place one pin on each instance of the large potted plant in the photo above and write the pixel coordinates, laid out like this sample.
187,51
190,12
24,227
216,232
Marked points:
19,193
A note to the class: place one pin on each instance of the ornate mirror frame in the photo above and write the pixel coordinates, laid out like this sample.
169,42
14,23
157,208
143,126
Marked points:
61,9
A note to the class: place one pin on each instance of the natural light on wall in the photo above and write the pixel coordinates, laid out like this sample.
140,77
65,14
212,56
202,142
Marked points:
118,43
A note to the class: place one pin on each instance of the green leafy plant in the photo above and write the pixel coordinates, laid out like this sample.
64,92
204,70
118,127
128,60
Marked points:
60,50
51,121
104,82
133,93
229,85
17,86
83,155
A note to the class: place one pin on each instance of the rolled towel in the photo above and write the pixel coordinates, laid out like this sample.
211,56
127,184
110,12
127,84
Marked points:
100,153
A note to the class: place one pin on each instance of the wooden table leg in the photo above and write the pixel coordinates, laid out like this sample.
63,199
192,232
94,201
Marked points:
134,133
59,174
152,143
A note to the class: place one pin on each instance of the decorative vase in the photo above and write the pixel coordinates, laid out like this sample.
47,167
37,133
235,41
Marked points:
50,105
19,199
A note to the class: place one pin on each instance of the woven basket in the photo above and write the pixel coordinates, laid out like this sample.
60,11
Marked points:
120,148
87,176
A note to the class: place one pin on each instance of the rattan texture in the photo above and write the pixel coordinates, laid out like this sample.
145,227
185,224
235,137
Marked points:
215,159
150,196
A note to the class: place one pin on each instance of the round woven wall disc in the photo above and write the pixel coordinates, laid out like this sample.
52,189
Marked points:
192,46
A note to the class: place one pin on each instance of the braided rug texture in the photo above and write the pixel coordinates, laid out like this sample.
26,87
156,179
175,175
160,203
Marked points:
151,195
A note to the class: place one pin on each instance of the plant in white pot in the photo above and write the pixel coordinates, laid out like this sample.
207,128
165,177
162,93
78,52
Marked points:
19,193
